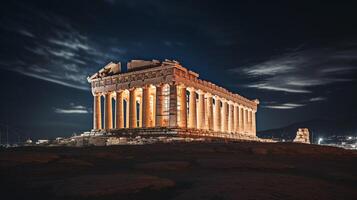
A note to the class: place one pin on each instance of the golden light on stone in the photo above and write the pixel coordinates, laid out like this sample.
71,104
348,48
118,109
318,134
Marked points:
153,96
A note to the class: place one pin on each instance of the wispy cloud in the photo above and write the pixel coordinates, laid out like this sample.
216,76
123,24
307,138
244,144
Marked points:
61,54
284,106
54,79
291,105
72,109
268,86
74,44
301,70
26,33
117,50
317,99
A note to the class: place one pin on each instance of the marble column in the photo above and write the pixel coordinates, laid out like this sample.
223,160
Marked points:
230,118
108,114
173,106
235,118
183,107
146,107
201,111
97,113
254,125
192,114
217,115
224,118
249,113
245,120
132,109
241,121
119,110
139,115
209,112
159,106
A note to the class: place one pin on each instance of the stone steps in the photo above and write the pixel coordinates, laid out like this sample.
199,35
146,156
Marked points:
163,131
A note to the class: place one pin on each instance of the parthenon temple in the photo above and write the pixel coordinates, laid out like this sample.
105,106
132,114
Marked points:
154,96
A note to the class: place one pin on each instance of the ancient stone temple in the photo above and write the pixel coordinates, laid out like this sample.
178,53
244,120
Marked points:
302,136
165,97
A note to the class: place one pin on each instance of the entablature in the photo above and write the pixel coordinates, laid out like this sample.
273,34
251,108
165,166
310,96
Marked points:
165,74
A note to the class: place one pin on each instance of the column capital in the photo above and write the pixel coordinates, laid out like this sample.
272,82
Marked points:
208,94
145,86
174,83
110,94
230,102
159,85
191,89
200,92
181,85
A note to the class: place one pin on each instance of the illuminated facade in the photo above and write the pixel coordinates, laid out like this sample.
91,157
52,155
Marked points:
154,96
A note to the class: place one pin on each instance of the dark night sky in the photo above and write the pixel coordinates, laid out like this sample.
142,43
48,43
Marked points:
299,59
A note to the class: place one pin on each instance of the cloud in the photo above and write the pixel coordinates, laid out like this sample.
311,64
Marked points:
317,99
54,80
26,33
79,107
302,70
119,50
268,86
74,44
284,106
291,105
72,109
61,54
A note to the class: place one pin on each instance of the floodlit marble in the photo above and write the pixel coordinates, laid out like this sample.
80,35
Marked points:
302,136
154,94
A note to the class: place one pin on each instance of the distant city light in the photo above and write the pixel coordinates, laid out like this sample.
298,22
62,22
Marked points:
320,140
349,138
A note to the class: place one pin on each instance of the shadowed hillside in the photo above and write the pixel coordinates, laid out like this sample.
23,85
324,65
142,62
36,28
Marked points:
242,170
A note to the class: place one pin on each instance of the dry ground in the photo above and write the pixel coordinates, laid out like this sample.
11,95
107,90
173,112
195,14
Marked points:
243,170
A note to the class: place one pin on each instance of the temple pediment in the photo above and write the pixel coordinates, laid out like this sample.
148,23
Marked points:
109,70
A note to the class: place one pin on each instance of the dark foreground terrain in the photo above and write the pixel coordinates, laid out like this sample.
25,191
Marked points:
180,171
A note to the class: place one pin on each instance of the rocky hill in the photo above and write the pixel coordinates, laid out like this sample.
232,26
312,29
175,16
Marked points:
182,171
317,127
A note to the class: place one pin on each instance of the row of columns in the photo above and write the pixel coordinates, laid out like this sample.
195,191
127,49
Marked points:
217,114
172,108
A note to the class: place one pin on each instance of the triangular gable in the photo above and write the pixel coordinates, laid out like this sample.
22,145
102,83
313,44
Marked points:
109,70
